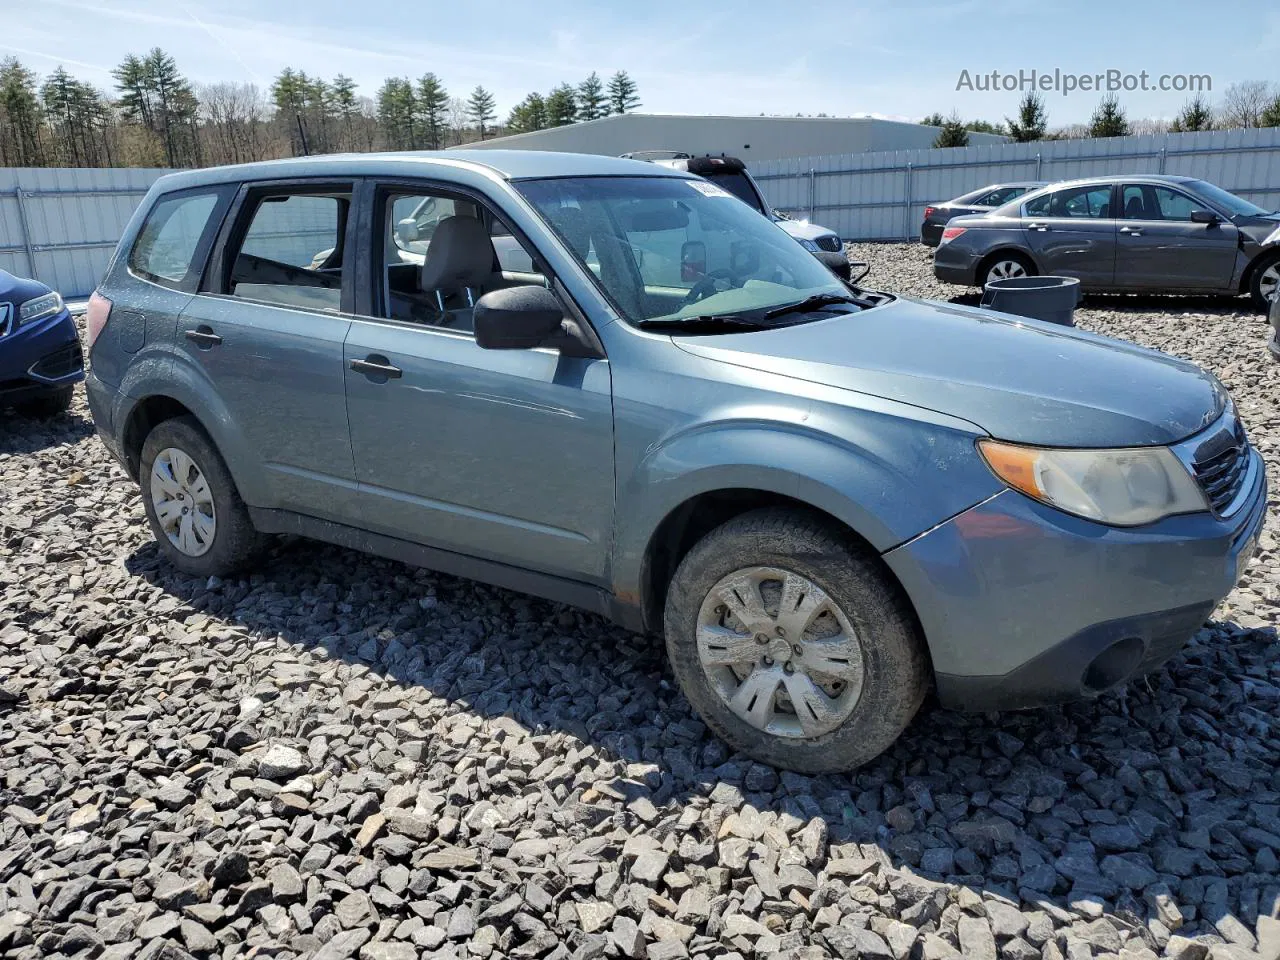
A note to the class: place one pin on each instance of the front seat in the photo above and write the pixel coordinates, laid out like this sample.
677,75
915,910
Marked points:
1135,209
459,265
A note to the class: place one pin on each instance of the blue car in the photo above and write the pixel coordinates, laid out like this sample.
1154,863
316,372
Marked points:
40,359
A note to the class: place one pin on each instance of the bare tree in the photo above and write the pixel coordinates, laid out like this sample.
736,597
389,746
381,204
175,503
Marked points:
234,124
1244,103
456,114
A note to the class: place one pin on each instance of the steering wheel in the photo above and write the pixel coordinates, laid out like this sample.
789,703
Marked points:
707,286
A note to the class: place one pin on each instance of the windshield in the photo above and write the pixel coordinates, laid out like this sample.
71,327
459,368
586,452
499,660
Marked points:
666,248
1237,206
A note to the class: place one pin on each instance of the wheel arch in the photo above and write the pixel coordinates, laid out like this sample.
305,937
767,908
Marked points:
1007,250
1263,257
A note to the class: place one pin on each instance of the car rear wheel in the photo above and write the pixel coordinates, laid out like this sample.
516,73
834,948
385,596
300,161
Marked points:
793,643
50,405
1005,266
1265,286
196,514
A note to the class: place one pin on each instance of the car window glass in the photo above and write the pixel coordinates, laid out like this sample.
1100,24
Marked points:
291,253
167,243
440,254
998,198
1073,202
1174,205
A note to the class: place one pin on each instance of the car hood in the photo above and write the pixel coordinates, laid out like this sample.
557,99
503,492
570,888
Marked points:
804,230
19,289
1019,380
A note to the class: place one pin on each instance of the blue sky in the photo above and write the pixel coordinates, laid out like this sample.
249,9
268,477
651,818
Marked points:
900,59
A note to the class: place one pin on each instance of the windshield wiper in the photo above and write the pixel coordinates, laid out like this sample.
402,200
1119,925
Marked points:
707,320
816,302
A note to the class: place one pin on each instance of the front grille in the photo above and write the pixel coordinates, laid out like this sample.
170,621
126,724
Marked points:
830,244
62,362
1220,464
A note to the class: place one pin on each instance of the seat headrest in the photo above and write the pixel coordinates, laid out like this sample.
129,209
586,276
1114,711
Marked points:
1134,208
460,255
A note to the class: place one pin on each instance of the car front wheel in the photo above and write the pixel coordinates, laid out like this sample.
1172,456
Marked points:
1265,287
191,502
793,643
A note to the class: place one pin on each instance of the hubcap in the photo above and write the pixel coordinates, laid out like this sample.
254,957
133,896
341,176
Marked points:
780,652
183,502
1004,269
1270,283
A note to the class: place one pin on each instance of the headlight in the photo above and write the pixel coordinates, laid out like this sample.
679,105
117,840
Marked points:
37,308
807,244
1123,488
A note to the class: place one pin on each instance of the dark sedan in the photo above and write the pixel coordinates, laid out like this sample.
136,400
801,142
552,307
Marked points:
1151,234
937,215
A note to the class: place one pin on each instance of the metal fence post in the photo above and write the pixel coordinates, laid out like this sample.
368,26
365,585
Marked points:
906,206
813,194
1164,151
1038,164
25,226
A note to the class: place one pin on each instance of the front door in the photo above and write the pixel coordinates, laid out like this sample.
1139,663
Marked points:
505,455
1159,247
1073,233
268,329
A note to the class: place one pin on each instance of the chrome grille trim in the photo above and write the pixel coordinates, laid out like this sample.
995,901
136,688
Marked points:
6,318
1222,462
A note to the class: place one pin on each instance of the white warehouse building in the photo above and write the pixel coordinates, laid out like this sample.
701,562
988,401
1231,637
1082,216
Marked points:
748,138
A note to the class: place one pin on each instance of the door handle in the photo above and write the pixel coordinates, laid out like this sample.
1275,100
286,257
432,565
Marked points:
1132,231
1040,227
204,337
376,365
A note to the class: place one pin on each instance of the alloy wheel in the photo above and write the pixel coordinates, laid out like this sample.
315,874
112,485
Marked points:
780,652
183,502
1269,283
1006,269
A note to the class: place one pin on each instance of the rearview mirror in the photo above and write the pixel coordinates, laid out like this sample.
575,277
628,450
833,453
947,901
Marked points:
1204,216
517,318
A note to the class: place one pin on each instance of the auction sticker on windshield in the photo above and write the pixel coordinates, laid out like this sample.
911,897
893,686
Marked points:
709,189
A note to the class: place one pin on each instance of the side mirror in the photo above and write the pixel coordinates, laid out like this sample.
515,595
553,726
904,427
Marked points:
1204,216
517,318
407,230
744,258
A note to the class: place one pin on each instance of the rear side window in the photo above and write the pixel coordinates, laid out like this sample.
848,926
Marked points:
1092,202
174,240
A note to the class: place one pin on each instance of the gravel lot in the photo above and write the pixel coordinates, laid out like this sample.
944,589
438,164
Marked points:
341,756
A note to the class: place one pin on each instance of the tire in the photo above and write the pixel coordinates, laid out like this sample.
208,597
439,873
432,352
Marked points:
1264,283
50,405
218,548
999,266
861,712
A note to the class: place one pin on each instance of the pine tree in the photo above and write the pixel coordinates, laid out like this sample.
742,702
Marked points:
432,103
1196,114
933,120
289,94
953,133
481,108
1032,122
1271,115
562,106
20,116
345,108
528,115
1109,119
397,108
155,94
591,102
624,95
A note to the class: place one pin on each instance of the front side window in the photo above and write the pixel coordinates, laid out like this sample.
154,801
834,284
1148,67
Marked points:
1088,202
441,253
166,249
667,248
291,252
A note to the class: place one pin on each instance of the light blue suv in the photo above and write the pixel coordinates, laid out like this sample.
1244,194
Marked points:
608,383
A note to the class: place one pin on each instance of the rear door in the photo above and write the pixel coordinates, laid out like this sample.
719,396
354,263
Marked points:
1072,232
267,331
1159,247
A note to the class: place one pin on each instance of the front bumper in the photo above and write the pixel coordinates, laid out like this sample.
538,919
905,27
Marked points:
39,358
1024,605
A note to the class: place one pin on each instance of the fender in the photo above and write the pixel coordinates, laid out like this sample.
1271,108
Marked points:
865,482
165,371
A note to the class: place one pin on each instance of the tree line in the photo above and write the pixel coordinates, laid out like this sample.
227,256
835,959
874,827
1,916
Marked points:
1249,104
155,116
